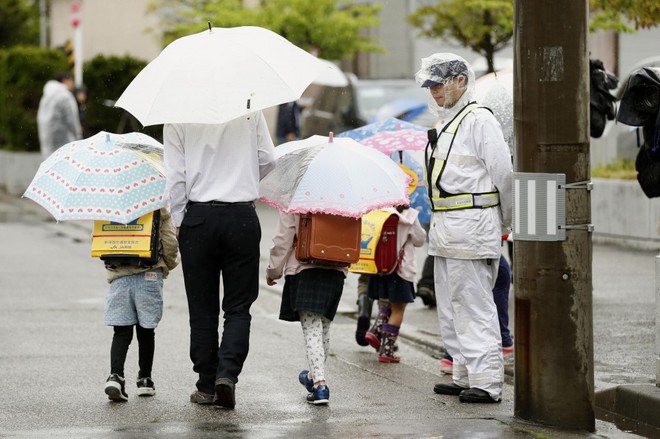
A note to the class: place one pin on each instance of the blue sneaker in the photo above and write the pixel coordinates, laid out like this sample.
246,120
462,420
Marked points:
306,381
319,395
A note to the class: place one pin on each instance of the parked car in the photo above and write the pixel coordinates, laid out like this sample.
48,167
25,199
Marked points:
340,109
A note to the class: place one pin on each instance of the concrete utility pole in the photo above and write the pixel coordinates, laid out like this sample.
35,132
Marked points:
554,376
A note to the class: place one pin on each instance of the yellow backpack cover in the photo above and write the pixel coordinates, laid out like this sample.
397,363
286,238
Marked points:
372,227
129,243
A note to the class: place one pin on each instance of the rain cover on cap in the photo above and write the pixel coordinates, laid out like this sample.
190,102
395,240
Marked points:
442,68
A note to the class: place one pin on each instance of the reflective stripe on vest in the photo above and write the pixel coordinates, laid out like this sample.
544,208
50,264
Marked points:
467,201
456,201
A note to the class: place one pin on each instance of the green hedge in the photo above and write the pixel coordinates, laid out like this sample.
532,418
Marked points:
106,78
23,73
25,70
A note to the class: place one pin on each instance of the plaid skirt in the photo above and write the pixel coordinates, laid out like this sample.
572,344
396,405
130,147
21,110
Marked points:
391,287
315,290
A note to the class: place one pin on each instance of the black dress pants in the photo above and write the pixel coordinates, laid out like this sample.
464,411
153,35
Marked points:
215,241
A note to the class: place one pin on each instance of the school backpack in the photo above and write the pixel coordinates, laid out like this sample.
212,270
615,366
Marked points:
326,239
378,247
136,243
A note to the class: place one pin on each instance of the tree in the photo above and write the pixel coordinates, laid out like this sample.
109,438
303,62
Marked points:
19,23
485,26
615,14
332,27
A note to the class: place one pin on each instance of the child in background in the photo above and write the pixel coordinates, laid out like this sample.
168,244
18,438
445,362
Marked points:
396,290
310,295
135,298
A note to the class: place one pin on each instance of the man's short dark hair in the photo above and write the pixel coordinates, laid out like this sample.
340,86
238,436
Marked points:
61,76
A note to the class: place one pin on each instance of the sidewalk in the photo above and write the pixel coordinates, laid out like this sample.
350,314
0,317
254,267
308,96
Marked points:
623,329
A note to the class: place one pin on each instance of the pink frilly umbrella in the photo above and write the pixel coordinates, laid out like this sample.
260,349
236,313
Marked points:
333,175
400,140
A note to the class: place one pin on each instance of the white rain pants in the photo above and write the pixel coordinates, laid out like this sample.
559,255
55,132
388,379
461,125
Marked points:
468,321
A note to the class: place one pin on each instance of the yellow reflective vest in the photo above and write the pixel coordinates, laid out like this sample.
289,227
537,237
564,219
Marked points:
440,199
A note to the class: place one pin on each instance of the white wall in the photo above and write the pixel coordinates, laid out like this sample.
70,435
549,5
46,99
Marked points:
109,27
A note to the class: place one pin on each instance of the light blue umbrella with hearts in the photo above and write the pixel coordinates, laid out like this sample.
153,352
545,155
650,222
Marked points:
111,177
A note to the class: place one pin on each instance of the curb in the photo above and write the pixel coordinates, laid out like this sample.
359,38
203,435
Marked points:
633,408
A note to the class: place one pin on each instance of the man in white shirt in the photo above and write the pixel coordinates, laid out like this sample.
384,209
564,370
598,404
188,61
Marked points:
469,178
213,174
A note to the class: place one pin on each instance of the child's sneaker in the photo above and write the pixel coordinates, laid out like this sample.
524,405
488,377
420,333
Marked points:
319,395
145,387
306,381
115,388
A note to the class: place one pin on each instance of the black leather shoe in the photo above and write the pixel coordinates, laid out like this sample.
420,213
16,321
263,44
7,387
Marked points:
448,389
474,395
224,393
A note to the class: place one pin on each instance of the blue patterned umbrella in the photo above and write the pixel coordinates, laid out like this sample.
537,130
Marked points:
389,124
111,177
419,199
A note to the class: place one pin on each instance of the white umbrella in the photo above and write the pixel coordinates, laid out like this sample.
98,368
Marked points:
495,91
331,75
336,176
218,75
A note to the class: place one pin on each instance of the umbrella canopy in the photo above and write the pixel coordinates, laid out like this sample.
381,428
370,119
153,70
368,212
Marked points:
111,177
495,91
419,199
331,75
389,124
218,75
400,140
336,176
390,134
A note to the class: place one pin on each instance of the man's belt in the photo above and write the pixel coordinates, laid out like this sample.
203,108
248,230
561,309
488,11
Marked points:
467,201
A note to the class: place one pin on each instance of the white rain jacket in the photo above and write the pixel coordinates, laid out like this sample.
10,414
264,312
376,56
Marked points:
479,162
58,121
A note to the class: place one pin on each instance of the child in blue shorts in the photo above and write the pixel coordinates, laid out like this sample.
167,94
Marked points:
135,298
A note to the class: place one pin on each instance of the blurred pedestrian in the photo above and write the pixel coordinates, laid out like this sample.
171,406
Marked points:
213,174
135,299
58,122
288,122
311,295
470,176
80,93
396,288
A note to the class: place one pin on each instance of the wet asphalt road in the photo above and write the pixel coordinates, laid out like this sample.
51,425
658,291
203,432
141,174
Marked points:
54,359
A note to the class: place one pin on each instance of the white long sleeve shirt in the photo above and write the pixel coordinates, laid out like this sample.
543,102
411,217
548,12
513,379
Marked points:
222,162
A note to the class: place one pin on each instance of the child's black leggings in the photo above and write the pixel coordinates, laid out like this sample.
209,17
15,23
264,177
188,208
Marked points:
120,343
